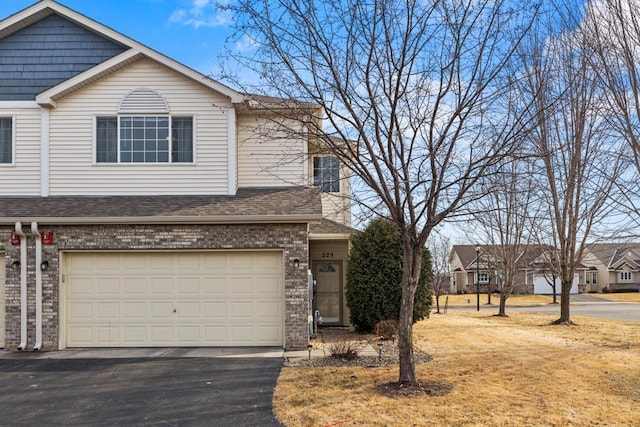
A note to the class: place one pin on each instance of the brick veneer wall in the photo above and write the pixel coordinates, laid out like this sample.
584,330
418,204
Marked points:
290,238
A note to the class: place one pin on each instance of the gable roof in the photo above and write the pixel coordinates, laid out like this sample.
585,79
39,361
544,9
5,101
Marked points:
135,51
296,204
467,254
611,254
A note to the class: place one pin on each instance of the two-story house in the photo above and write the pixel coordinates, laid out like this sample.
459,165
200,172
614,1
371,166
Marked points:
611,267
144,204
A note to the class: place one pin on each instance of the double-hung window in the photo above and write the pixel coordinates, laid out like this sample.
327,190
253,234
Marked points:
326,174
144,139
6,140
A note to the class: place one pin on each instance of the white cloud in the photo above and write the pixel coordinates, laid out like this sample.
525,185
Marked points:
202,13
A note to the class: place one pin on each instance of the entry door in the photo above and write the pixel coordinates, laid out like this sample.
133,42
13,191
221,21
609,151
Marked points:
328,296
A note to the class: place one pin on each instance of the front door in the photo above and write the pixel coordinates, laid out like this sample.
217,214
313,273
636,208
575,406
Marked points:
328,292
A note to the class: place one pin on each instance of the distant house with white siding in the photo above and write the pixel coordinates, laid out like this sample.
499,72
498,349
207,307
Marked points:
145,204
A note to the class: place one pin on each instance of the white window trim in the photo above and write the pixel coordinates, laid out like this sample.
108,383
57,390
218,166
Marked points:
482,274
339,168
13,140
623,276
94,155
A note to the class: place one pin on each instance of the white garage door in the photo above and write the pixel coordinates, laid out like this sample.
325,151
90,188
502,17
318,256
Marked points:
2,306
542,286
174,299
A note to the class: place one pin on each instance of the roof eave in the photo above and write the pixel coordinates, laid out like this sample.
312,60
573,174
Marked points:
215,219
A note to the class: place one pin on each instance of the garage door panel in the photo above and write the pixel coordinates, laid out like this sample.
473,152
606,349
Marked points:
105,336
135,335
173,299
106,286
188,286
188,310
108,311
160,310
214,285
81,334
134,310
133,286
81,286
241,310
161,286
80,310
215,310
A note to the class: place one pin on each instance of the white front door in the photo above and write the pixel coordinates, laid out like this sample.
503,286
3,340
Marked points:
160,299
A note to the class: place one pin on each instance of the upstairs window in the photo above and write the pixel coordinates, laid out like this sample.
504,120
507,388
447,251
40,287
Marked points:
326,174
6,140
144,139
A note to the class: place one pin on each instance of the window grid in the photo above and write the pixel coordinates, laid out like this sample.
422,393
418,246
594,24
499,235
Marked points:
6,140
483,277
625,276
326,174
144,139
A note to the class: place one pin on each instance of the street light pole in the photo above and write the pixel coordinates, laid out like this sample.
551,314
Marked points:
478,276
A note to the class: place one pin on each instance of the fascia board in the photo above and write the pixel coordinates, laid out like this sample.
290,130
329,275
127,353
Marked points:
221,219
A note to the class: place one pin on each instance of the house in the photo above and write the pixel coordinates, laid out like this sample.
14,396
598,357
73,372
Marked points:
611,267
143,204
482,265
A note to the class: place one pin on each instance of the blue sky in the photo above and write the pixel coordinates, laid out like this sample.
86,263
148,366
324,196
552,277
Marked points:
192,32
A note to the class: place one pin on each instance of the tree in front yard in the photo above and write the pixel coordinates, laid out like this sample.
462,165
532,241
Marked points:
374,277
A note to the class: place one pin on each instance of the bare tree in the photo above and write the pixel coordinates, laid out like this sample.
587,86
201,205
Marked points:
418,87
613,27
503,220
579,165
439,246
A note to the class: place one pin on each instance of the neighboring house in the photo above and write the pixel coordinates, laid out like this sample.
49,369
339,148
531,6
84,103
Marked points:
143,204
611,267
469,270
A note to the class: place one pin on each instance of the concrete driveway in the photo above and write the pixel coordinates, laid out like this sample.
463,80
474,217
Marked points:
191,391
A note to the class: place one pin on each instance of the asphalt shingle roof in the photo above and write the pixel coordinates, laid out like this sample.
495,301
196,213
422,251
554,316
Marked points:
301,202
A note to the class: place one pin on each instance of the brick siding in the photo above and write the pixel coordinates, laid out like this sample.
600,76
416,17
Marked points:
290,238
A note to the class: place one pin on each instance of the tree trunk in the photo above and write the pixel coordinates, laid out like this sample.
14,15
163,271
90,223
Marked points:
502,311
412,264
565,292
438,302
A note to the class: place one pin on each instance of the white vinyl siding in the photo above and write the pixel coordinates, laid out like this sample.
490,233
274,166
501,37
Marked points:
160,299
73,169
270,154
22,176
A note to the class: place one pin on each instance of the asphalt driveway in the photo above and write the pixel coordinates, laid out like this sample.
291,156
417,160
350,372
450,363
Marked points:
138,391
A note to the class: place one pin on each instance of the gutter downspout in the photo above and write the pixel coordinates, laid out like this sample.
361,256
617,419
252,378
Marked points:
23,286
36,234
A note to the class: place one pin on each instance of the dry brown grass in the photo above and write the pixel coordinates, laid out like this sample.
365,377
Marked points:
622,297
516,371
513,300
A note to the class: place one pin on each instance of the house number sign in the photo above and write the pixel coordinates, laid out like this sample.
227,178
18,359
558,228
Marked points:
327,254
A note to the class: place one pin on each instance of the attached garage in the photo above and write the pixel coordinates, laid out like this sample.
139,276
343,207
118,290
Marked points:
163,299
541,285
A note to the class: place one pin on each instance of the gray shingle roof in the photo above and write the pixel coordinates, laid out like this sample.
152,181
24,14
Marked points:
325,226
260,204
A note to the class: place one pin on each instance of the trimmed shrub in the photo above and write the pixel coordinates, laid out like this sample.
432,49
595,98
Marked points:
374,276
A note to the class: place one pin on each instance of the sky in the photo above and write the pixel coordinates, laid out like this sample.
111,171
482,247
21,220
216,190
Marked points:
192,32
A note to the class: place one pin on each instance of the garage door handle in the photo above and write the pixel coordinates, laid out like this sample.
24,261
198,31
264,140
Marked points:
174,310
